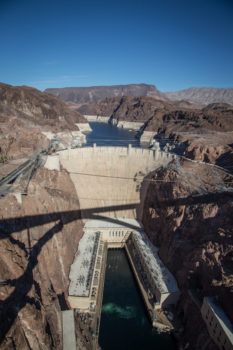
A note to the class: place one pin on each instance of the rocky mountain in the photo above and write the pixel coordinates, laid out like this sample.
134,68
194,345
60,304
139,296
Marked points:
188,214
175,115
194,95
32,107
203,135
129,108
215,117
25,114
202,95
94,93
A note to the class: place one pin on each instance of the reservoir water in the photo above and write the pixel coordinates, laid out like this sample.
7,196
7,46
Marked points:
108,135
124,322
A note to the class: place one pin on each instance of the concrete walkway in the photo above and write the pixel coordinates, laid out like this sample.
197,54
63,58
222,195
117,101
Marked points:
68,326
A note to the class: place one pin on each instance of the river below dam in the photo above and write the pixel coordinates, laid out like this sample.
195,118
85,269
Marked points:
124,321
104,134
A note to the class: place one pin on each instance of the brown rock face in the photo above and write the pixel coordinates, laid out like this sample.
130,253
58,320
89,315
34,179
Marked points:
189,215
215,117
36,251
103,107
21,142
203,135
35,108
26,112
128,108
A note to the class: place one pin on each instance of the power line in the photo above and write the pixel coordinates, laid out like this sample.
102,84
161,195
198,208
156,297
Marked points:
111,200
118,177
140,177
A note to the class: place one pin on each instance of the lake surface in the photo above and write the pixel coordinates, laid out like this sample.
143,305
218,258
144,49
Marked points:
124,322
104,134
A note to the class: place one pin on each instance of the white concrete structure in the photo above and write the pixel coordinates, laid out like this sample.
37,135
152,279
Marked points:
83,266
65,138
218,324
147,136
108,225
116,232
162,281
52,162
108,179
87,272
160,289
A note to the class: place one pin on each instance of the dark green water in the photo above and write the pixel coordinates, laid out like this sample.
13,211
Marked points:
124,322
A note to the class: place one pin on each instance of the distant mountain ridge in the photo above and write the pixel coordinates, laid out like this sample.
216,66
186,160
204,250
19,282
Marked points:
202,96
205,95
94,93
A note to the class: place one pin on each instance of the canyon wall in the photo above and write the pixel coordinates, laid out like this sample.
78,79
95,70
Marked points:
188,214
39,239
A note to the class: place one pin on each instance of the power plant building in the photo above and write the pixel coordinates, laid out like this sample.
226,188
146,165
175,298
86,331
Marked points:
157,284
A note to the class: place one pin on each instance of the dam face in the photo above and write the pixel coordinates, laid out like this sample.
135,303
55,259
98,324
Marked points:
108,179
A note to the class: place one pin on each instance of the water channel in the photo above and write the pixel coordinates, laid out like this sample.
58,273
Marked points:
124,321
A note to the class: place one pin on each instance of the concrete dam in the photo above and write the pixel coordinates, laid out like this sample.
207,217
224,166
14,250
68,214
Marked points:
108,184
110,177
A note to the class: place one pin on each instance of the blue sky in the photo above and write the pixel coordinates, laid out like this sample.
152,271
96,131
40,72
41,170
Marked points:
173,44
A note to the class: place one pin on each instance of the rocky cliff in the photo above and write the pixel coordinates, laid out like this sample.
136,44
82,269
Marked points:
39,238
188,214
94,93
